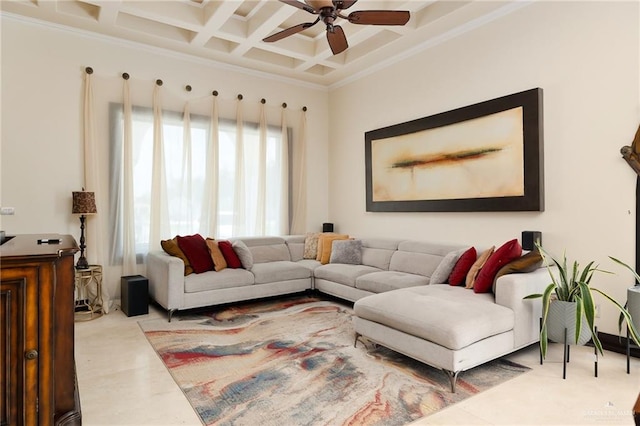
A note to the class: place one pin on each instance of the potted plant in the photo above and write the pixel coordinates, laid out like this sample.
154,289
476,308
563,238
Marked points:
633,298
572,286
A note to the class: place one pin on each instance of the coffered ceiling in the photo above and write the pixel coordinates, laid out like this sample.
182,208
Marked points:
231,31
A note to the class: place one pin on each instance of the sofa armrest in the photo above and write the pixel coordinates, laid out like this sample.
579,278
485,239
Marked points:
510,292
166,279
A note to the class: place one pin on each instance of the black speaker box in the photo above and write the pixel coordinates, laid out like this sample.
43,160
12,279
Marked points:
530,239
327,227
134,293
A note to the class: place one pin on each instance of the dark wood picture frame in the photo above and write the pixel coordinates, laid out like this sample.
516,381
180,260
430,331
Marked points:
532,198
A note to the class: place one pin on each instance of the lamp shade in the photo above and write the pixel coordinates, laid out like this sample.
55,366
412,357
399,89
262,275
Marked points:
84,202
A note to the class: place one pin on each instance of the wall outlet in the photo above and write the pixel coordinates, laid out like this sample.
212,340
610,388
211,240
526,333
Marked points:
7,211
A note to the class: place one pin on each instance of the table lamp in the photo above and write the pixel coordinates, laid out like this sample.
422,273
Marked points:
84,203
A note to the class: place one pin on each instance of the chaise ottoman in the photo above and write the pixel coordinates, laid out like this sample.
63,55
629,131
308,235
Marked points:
447,327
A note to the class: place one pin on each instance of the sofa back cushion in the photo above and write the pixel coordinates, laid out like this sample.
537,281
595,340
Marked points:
418,257
267,249
296,245
378,252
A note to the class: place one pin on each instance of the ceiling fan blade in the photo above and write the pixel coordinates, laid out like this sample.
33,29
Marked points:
289,31
343,4
379,17
337,40
300,5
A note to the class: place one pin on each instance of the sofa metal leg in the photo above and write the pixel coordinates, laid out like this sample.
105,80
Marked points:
453,378
170,313
355,342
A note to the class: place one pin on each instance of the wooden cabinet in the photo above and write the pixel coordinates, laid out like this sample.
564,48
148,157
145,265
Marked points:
37,377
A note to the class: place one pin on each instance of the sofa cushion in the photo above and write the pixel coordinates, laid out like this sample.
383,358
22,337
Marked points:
462,267
310,264
346,251
442,272
342,273
418,257
503,255
245,256
230,256
311,245
477,265
216,255
377,252
325,243
378,282
526,263
212,280
196,250
295,244
281,270
452,317
267,249
171,248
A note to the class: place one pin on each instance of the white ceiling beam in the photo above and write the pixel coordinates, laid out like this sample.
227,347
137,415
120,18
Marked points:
220,12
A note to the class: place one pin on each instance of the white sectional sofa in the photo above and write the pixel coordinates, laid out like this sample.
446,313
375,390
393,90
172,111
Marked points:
397,304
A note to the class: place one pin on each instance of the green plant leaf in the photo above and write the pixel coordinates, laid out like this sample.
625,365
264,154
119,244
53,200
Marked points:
633,332
590,314
633,271
546,300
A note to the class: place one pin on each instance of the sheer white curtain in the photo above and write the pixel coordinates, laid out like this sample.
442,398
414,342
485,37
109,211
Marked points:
284,171
209,214
188,223
262,173
239,193
159,211
94,230
128,228
184,170
299,181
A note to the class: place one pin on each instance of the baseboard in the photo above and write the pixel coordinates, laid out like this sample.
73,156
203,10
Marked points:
618,344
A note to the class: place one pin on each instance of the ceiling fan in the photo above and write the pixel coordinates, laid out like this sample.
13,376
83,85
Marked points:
329,10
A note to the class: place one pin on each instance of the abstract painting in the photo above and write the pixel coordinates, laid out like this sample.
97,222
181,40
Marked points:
483,157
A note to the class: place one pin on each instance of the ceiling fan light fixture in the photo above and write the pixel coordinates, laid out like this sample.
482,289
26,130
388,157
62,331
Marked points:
319,4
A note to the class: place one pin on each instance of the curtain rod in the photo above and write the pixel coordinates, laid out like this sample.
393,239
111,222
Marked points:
188,88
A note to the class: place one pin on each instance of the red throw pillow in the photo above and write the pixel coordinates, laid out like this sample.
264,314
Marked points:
462,266
230,256
505,254
196,250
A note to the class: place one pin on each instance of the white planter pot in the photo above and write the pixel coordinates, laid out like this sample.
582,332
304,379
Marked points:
563,315
633,305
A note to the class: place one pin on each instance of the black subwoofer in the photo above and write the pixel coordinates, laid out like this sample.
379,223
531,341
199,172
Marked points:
530,239
134,291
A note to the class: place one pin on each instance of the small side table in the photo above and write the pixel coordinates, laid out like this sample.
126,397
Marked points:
89,306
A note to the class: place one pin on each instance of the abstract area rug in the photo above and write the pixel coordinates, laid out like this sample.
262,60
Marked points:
293,362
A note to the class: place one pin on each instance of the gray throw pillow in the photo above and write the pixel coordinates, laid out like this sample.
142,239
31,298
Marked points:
346,251
244,254
444,268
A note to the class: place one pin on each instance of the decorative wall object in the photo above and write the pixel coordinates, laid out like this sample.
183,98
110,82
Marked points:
483,157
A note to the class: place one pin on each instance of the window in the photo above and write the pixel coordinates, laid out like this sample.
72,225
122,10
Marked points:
188,182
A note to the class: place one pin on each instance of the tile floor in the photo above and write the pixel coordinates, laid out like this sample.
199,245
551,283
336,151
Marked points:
123,382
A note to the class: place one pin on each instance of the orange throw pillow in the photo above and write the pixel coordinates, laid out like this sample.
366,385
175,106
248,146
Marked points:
477,265
216,255
172,248
324,245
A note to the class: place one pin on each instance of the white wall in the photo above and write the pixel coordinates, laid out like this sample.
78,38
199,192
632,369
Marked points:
41,155
585,56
